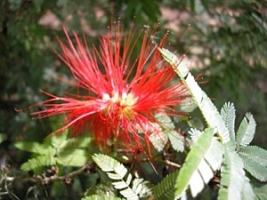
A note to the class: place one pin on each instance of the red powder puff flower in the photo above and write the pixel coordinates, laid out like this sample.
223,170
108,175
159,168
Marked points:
123,92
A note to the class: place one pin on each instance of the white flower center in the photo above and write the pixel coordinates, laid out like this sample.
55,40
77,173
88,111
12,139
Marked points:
126,99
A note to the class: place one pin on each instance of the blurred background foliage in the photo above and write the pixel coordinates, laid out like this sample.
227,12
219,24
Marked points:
225,41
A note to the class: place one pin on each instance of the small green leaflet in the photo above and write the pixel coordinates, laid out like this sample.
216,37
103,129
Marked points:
246,131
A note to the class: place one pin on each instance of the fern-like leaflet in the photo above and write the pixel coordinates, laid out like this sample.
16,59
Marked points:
129,187
166,132
165,189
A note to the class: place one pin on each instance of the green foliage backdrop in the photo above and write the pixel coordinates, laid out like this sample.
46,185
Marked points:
225,42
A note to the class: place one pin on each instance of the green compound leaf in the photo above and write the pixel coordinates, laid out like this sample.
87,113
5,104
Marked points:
255,169
254,153
228,115
165,189
75,158
35,147
202,161
37,162
57,141
194,134
56,150
246,131
165,121
166,132
261,192
76,142
129,187
159,140
177,141
233,177
247,191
